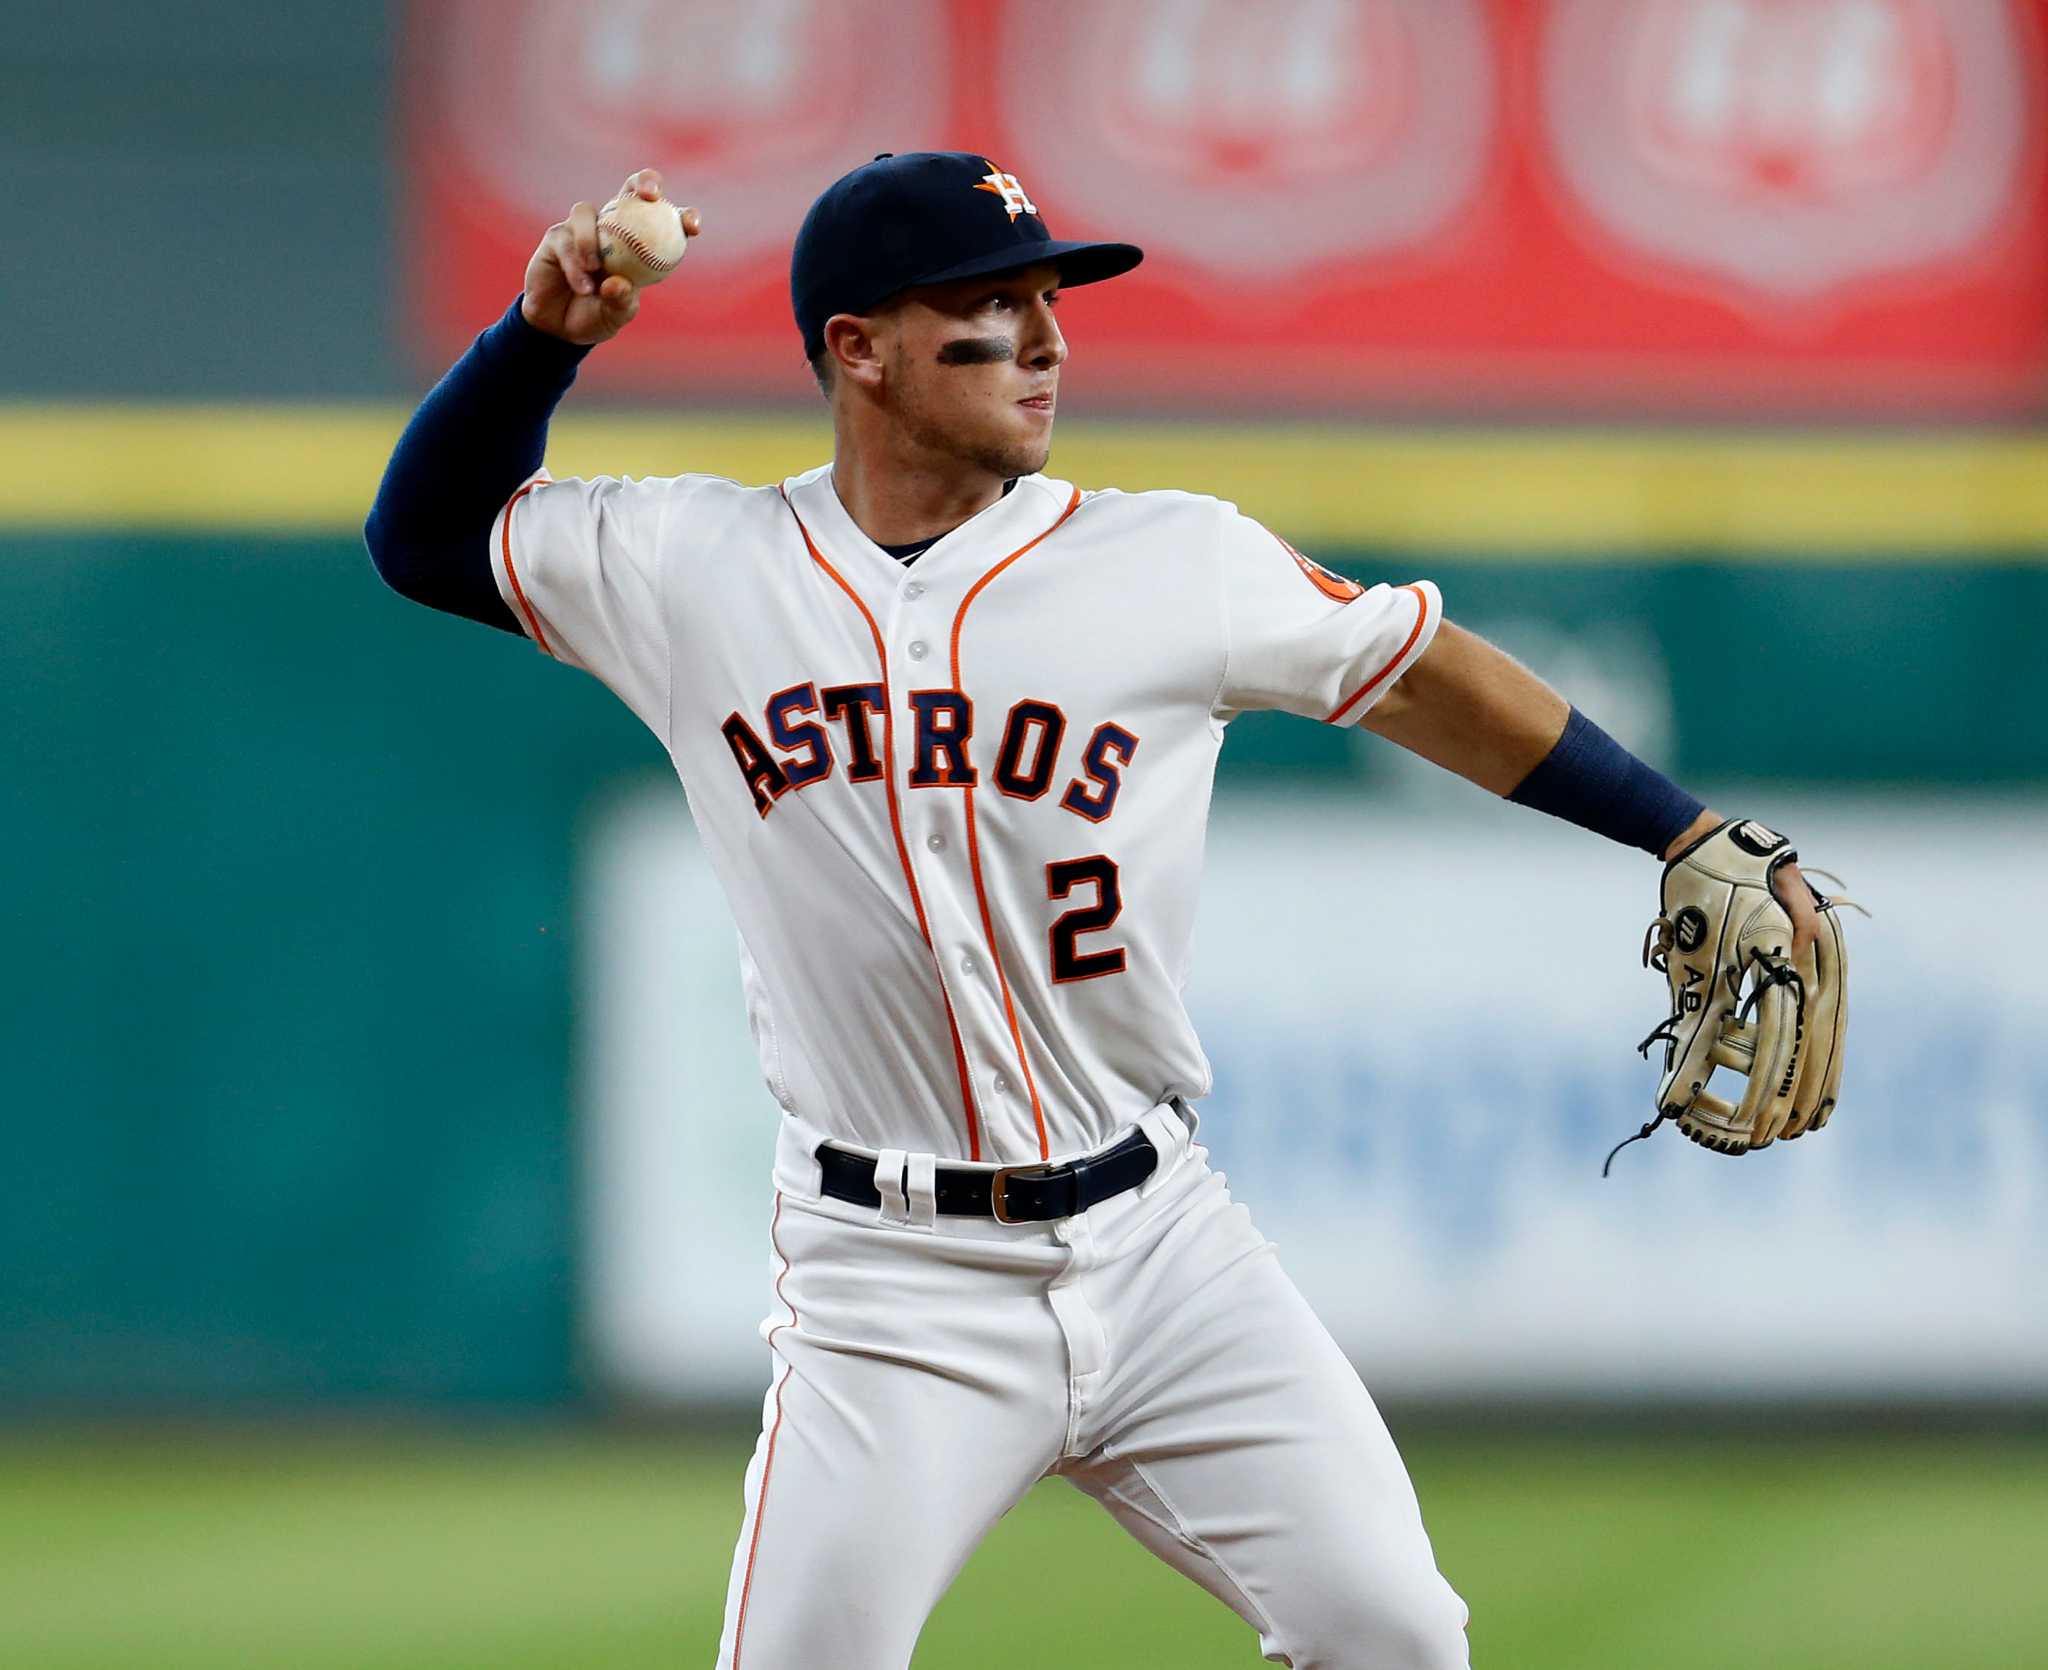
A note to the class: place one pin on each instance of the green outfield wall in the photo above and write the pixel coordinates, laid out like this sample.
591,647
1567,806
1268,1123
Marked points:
287,1000
284,1003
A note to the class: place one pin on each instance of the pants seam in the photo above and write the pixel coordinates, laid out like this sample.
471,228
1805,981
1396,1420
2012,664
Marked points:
739,1628
1262,1622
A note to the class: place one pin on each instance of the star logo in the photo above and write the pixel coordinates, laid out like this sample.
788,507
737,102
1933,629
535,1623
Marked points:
1006,187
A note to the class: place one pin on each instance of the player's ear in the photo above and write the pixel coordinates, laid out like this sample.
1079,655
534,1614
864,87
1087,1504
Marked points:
852,347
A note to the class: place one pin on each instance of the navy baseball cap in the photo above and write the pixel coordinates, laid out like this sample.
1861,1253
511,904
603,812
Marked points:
925,217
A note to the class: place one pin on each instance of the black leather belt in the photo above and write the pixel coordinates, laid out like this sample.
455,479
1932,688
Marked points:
1009,1194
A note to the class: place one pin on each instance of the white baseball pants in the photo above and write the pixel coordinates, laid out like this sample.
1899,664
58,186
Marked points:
929,1371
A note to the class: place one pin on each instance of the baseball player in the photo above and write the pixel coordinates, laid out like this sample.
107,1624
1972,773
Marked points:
948,727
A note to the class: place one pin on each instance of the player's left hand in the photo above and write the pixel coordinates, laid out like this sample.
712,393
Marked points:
1756,968
1792,890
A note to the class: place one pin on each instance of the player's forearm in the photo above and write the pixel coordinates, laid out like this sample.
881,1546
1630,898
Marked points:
1473,710
479,433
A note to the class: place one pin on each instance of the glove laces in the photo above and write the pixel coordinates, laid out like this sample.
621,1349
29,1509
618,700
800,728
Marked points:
1647,1130
1658,941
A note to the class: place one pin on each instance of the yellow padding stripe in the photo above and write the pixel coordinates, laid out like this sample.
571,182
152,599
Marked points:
1553,493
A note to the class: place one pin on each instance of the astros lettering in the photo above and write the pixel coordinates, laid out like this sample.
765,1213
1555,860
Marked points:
1027,762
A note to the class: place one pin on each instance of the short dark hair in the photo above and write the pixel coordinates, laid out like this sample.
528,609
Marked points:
821,368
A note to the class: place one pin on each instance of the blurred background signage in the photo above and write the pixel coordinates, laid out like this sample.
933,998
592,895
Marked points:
1425,1151
1767,205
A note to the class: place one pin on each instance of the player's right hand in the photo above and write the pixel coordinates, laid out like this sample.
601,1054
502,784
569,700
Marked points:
568,293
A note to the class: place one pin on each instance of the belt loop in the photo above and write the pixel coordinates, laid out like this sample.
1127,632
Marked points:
797,1169
921,1181
889,1185
1170,1135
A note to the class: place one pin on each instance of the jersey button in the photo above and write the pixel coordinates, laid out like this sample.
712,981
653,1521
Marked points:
968,966
917,649
914,590
1002,1085
936,842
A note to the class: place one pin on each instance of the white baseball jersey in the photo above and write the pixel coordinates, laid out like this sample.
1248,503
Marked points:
958,807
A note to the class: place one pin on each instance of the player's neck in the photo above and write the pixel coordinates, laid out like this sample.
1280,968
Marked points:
898,496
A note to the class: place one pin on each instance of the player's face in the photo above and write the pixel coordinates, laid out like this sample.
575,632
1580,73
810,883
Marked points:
974,369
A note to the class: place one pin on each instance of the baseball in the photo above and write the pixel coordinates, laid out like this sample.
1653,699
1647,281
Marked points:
639,240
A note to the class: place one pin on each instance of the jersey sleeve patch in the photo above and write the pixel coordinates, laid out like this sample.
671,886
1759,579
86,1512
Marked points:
1303,639
1333,586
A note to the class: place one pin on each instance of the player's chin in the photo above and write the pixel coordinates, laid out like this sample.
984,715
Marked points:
1029,451
1009,456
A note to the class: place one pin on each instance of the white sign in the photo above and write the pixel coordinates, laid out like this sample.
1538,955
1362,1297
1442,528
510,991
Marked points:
1422,1025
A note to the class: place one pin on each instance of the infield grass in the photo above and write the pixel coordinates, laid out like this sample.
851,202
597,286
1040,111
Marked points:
526,1550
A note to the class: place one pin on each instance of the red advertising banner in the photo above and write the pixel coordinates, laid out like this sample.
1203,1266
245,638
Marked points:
1758,207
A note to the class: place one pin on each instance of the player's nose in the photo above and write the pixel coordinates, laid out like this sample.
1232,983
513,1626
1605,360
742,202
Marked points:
1043,346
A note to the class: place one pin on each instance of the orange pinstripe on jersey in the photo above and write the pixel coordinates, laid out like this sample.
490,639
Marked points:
974,843
896,827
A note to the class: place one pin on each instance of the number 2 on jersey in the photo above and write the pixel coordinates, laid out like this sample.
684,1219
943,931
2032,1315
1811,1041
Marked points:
1068,961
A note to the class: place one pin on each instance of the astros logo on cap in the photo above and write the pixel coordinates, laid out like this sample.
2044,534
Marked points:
1006,187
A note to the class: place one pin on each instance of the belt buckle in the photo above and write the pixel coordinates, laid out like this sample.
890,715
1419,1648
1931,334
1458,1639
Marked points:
999,1190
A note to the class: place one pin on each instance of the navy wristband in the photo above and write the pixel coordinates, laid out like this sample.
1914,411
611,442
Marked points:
1591,780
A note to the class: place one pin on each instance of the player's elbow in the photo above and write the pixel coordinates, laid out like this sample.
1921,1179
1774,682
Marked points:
377,541
378,534
396,554
437,568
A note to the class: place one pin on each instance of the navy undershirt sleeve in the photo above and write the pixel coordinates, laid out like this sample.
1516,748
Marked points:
1589,779
480,432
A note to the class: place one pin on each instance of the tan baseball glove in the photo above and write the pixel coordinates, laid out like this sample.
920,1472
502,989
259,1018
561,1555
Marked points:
1740,999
